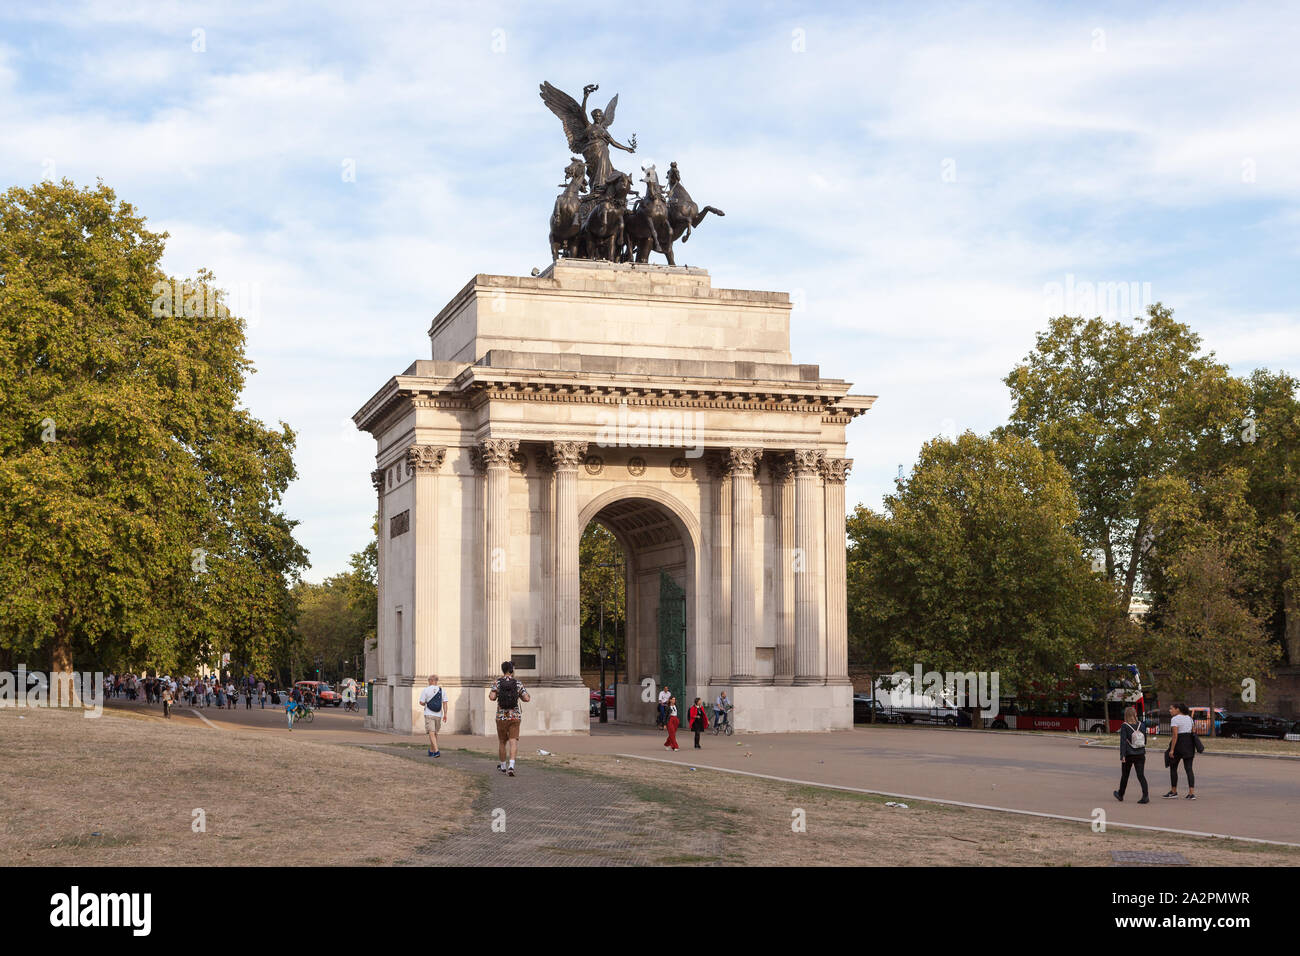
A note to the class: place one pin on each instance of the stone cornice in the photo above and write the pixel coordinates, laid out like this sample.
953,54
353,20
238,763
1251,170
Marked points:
476,385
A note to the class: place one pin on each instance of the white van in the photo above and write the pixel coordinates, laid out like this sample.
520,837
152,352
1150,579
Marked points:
900,701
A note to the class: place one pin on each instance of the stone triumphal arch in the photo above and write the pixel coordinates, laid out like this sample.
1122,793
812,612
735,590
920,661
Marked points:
671,412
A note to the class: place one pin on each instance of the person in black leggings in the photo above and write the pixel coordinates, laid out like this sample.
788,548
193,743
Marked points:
1182,746
1131,756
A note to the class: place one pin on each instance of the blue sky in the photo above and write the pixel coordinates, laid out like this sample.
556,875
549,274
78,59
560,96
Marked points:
925,179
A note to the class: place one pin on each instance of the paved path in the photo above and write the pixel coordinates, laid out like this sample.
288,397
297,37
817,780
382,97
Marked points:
546,817
1241,797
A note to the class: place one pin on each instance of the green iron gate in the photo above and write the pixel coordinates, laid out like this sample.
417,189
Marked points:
672,640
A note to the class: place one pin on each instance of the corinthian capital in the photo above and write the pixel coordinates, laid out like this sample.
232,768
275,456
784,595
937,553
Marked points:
808,461
836,470
425,459
744,461
718,466
498,451
568,454
781,467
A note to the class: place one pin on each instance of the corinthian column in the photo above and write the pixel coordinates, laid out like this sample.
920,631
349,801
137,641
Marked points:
782,469
423,462
719,663
836,471
566,456
809,662
496,454
743,637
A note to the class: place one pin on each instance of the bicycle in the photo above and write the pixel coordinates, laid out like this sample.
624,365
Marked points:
723,724
300,713
350,705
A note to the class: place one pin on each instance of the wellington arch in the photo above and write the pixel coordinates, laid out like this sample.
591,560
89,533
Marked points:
672,413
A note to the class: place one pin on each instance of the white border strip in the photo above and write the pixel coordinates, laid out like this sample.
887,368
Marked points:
961,803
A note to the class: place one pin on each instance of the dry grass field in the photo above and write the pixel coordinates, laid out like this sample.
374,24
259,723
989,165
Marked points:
122,790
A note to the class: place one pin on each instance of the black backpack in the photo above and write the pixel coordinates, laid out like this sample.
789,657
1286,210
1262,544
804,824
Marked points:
435,702
507,693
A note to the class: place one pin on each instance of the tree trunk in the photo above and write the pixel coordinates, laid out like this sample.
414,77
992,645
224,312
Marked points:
1130,575
61,658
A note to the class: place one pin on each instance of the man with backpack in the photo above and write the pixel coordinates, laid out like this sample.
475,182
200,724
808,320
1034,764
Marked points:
508,692
436,708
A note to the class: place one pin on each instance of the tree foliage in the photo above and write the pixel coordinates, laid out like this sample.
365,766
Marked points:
973,566
1120,405
602,581
140,517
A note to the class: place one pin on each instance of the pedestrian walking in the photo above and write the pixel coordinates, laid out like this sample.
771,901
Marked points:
673,724
261,693
508,693
696,720
1132,754
167,702
436,709
664,695
1183,746
248,698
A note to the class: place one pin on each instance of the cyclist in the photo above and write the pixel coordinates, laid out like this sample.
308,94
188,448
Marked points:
291,706
720,708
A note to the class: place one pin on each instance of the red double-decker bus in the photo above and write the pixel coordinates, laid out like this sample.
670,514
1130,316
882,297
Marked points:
1075,705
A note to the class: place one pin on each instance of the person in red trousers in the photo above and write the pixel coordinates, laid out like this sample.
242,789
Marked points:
673,724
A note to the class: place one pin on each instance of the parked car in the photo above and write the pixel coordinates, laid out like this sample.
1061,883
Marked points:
864,704
1254,725
595,701
902,701
1295,731
321,692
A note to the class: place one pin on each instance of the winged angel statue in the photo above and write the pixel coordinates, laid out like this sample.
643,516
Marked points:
590,138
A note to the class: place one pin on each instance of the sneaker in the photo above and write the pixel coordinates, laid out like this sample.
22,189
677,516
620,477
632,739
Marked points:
432,754
1144,800
1172,794
501,768
1118,796
1190,796
510,771
437,753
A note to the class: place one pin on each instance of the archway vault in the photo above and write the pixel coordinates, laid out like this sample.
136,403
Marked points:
658,534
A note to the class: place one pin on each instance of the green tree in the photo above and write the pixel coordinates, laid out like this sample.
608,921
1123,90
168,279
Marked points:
140,516
602,581
1119,405
973,566
1270,450
1209,636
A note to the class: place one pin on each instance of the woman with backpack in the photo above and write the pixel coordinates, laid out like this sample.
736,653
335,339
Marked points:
673,724
697,721
1132,754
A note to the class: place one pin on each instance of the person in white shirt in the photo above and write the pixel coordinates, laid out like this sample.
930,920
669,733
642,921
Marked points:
436,709
664,696
1182,746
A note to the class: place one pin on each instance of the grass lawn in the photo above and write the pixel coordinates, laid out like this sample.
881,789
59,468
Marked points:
120,790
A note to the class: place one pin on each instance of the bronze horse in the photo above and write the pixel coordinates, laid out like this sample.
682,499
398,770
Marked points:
565,224
647,224
603,227
683,214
